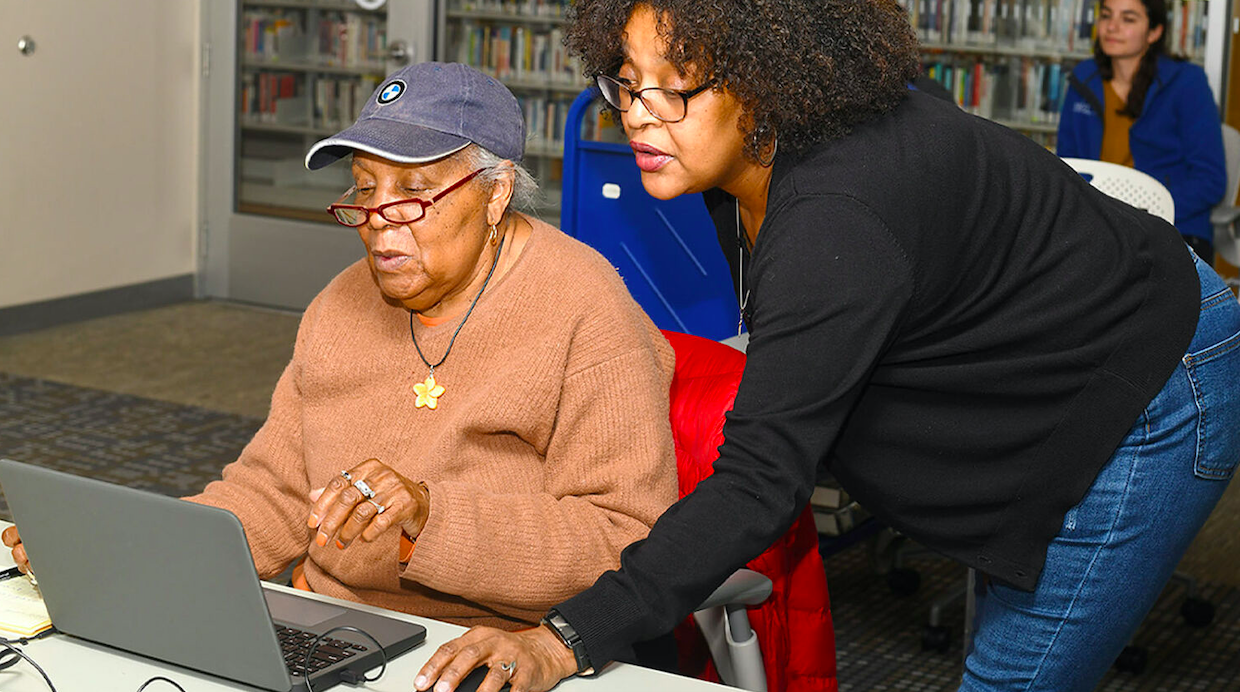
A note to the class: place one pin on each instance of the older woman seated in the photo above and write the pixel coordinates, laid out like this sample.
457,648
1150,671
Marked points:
474,422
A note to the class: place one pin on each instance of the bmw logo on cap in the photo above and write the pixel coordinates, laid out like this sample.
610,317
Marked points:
392,91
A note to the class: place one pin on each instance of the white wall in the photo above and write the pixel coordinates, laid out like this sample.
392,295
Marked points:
98,145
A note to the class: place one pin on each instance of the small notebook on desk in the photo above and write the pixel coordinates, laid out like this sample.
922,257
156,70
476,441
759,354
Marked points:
22,611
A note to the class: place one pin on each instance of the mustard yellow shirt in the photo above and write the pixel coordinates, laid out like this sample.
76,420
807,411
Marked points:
1114,129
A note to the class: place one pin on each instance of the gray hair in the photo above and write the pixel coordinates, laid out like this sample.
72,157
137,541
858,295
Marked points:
524,187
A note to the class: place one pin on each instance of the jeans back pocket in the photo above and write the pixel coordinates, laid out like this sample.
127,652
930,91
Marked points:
1215,376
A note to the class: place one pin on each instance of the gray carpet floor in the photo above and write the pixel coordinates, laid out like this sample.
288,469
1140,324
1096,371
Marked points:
164,398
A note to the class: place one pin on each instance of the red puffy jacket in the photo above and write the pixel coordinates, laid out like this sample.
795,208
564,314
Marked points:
793,625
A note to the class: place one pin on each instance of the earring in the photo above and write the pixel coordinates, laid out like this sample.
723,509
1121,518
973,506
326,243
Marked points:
771,159
759,133
494,236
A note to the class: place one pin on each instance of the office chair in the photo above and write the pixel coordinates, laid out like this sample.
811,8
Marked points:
794,645
1226,213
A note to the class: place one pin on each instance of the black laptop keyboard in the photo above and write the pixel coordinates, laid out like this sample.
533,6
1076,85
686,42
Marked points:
295,643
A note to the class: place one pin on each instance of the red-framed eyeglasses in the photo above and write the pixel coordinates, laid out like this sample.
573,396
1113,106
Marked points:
401,211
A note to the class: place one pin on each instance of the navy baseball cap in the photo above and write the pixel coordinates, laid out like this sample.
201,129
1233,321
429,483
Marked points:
426,111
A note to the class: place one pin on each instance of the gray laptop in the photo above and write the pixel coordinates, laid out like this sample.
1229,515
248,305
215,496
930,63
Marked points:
174,580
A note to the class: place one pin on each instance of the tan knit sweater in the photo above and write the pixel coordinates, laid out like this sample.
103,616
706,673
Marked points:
549,452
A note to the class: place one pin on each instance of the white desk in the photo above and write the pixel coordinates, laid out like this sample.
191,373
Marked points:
75,665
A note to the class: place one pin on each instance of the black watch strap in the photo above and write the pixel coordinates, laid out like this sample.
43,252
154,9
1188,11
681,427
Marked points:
556,623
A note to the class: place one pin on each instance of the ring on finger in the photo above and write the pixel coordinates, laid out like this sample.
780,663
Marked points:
364,489
379,509
509,667
347,476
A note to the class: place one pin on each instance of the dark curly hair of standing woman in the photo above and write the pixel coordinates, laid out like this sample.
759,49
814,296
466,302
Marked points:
805,71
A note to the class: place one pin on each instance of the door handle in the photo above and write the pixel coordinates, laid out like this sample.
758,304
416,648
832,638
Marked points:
25,45
400,52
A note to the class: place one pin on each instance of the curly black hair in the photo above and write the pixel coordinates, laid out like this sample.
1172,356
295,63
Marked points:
805,71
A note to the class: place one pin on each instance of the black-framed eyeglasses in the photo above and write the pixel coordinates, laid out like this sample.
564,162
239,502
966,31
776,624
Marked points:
401,211
668,105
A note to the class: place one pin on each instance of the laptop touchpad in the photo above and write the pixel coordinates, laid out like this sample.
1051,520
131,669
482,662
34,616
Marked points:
299,611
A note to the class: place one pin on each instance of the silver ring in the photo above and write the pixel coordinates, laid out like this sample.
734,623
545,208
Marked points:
379,509
508,666
364,489
346,475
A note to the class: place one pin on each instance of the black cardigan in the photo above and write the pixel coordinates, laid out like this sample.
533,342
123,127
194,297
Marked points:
951,320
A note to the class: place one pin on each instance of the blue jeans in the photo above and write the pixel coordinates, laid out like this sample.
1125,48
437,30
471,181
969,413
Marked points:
1118,547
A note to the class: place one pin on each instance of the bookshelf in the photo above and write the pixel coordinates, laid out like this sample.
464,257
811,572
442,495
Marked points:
1009,60
519,42
304,69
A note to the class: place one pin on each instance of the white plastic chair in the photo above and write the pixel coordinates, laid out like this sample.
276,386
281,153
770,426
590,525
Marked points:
1138,189
1225,215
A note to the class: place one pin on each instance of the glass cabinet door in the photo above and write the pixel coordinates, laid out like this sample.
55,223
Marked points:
280,75
304,69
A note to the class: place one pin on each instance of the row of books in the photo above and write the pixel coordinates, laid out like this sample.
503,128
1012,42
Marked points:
1016,89
348,39
545,120
525,8
272,97
338,102
515,52
280,98
340,39
1186,28
267,35
1065,26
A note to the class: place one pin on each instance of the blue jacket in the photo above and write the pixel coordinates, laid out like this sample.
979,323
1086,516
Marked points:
1178,139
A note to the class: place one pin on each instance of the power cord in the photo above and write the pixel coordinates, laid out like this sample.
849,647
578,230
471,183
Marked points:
12,655
346,675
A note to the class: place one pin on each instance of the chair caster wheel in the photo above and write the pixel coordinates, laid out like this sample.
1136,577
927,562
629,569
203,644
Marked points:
935,638
903,581
1197,612
1132,660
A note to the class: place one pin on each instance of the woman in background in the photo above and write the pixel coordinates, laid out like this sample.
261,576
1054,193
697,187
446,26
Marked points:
1135,105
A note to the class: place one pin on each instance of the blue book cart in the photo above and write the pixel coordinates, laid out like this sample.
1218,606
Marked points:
666,251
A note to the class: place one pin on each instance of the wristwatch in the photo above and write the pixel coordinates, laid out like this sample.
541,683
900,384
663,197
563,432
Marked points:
556,623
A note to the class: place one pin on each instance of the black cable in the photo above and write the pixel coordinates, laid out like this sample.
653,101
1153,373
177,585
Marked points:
160,678
485,281
314,645
6,659
26,640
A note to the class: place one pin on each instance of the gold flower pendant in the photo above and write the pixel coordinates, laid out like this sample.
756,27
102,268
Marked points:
428,393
